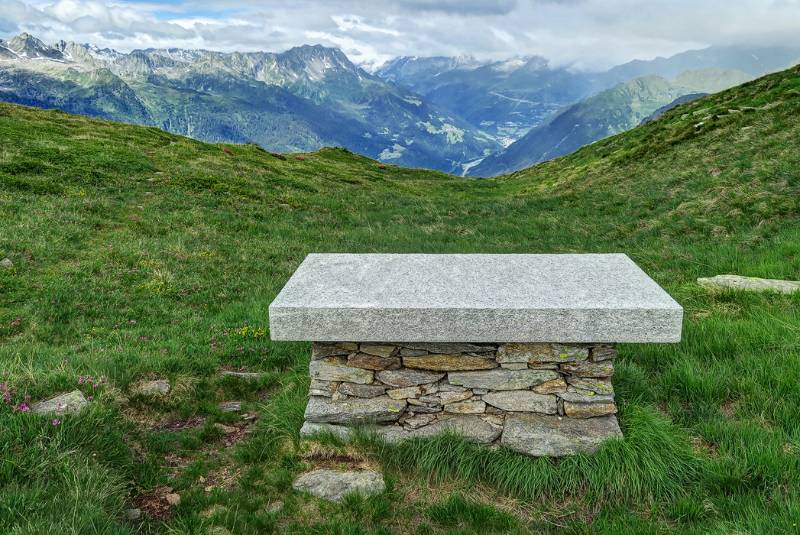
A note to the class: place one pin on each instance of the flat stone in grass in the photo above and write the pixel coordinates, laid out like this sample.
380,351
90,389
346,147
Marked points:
69,403
158,387
501,379
230,406
354,410
6,263
554,436
752,284
334,485
522,401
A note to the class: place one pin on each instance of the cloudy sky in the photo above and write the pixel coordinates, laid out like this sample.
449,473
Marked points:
590,34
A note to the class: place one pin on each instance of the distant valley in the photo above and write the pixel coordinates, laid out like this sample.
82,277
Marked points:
457,115
609,112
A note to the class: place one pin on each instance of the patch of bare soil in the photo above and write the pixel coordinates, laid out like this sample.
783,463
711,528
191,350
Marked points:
156,502
700,445
180,424
728,408
225,477
231,434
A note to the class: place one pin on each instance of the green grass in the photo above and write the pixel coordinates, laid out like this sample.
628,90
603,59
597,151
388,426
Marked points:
141,254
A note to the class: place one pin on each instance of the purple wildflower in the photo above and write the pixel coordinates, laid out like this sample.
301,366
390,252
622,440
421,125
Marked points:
23,407
56,422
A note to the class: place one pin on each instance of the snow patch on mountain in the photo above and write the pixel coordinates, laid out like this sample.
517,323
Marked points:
453,134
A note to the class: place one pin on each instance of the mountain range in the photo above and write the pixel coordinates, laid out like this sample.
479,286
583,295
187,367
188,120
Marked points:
455,114
299,100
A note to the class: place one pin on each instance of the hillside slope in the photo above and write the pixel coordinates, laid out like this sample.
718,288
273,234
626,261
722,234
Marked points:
138,254
609,112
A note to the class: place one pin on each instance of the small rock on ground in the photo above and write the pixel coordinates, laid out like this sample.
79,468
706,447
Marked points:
753,284
6,263
158,387
230,406
334,485
69,403
133,514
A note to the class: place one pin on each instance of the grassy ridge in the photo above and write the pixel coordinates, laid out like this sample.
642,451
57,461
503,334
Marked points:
142,254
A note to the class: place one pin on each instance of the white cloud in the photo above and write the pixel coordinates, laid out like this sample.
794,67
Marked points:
350,23
586,33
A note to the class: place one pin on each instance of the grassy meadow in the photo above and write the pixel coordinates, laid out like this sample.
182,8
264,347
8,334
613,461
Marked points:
139,254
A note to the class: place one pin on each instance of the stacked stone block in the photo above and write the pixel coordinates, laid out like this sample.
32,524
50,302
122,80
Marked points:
540,399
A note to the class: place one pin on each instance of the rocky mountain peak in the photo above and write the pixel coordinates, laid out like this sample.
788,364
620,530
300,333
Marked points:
334,57
27,46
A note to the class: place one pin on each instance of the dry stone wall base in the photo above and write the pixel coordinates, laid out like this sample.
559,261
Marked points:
539,399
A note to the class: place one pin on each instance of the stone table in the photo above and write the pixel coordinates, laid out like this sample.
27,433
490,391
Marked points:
509,348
